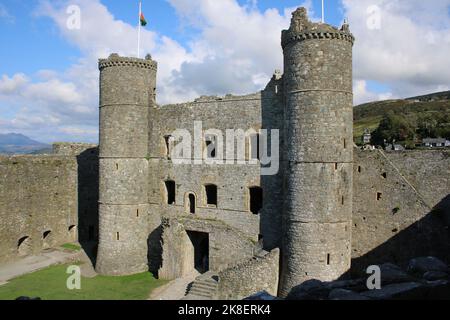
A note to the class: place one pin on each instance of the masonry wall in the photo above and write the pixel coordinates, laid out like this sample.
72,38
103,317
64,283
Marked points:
319,128
127,88
400,207
250,277
86,156
255,111
38,204
227,246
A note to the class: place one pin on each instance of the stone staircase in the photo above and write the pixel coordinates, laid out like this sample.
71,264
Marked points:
204,287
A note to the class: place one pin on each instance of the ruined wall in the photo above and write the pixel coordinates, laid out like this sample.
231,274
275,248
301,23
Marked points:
38,204
227,246
250,277
395,195
255,111
87,176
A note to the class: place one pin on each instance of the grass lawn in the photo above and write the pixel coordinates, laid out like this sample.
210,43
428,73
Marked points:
371,123
50,284
71,247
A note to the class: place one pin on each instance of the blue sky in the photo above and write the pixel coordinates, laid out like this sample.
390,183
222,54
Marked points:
30,35
49,89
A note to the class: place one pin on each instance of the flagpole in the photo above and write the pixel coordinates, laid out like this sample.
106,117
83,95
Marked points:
139,30
323,12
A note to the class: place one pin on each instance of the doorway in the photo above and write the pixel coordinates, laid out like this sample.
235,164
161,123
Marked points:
200,242
256,200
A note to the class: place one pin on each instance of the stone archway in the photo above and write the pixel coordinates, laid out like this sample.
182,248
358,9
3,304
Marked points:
24,247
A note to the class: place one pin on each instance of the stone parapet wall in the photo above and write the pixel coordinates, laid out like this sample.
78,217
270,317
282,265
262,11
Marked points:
250,277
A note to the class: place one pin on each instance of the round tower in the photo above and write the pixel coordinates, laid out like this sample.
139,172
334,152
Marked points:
319,151
127,91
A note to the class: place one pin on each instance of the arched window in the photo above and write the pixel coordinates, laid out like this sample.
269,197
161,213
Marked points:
170,191
47,239
211,145
169,140
255,199
255,147
211,194
191,205
24,246
72,232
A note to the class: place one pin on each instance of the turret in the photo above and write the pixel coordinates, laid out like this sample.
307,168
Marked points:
127,91
319,143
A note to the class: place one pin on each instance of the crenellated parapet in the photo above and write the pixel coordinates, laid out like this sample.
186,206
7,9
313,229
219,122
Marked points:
302,29
115,60
338,35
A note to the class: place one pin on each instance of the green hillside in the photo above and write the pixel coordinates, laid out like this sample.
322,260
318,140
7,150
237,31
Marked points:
407,121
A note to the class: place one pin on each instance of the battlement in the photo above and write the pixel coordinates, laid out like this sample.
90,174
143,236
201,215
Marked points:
303,29
114,60
74,149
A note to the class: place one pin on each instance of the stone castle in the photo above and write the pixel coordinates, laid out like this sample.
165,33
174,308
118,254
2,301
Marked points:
329,211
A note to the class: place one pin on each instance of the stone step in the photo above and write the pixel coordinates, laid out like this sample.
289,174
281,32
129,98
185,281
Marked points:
205,285
202,289
194,297
202,293
205,291
207,280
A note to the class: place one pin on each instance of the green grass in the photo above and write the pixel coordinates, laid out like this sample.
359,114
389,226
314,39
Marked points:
50,284
370,123
71,247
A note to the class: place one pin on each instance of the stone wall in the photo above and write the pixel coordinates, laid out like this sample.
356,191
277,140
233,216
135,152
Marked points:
227,246
245,279
319,155
254,111
395,199
39,204
127,93
87,175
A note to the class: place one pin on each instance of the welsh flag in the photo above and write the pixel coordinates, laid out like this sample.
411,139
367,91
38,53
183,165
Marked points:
142,19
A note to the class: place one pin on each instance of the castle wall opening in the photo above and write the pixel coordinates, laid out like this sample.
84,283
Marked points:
211,194
72,230
200,243
191,203
24,246
211,145
170,191
256,199
47,239
255,146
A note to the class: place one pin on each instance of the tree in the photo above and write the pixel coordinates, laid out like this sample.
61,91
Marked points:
393,127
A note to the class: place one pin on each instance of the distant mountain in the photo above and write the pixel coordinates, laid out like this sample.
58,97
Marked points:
15,143
438,96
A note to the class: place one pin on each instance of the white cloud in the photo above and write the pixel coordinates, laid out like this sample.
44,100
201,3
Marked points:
53,91
12,85
235,50
362,94
410,49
